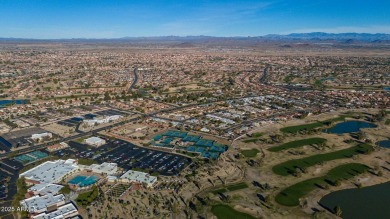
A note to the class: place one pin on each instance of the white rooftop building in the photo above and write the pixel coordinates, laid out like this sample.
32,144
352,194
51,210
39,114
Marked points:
45,188
41,136
39,204
107,119
104,168
95,141
204,129
138,177
50,171
65,211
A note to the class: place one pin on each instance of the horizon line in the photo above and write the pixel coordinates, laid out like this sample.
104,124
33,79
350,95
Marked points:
183,36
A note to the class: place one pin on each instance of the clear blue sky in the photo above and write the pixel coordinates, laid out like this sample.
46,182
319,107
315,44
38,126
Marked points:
119,18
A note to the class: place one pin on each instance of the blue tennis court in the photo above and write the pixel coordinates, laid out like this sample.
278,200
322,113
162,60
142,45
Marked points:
191,143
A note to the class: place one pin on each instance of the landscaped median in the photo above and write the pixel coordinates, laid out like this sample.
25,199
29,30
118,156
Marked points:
292,166
298,143
291,195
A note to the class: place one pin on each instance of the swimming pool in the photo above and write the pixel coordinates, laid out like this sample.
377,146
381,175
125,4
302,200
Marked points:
83,181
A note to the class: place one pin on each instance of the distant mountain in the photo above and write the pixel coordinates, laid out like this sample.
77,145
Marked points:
185,41
365,37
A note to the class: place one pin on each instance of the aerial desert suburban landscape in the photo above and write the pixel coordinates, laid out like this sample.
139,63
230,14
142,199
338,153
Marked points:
193,128
207,109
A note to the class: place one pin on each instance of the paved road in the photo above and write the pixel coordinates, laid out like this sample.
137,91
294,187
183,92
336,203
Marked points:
84,134
73,137
135,80
265,74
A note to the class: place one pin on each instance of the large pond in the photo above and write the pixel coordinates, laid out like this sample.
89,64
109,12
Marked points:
4,103
367,202
384,143
349,126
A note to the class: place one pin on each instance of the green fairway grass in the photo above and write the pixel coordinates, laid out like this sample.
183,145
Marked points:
250,153
290,196
310,126
250,140
257,134
289,167
237,186
227,212
337,119
297,143
231,188
222,190
298,128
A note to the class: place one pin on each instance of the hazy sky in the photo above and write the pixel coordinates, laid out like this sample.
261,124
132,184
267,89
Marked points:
120,18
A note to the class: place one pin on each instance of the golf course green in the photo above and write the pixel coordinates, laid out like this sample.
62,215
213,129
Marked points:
298,143
292,166
227,212
290,196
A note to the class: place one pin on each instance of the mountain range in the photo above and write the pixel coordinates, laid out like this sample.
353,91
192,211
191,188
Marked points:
314,36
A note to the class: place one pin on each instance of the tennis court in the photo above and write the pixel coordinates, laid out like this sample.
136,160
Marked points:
30,157
192,143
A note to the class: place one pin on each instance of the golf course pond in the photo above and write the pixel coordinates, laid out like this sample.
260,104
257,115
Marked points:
349,127
368,202
384,143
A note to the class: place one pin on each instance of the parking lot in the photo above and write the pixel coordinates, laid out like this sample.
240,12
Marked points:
7,184
80,150
74,121
3,184
110,112
20,137
129,156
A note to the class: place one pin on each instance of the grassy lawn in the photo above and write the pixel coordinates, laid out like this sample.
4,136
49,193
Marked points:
298,128
337,119
298,143
257,134
81,140
310,126
223,190
84,199
237,186
290,196
250,140
289,167
231,188
86,161
250,153
227,212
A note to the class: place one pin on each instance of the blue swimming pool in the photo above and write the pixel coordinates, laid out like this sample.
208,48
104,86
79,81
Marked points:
83,181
